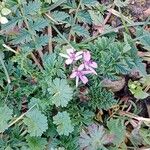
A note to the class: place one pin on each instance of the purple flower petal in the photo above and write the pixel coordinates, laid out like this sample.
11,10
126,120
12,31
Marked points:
81,67
92,70
93,64
73,75
68,61
87,56
84,79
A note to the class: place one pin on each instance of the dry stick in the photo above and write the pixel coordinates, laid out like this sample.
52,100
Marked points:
9,48
20,117
130,115
50,38
36,61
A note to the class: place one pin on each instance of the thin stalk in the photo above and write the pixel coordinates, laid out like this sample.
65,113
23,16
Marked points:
50,48
123,21
9,48
75,18
5,70
133,116
20,117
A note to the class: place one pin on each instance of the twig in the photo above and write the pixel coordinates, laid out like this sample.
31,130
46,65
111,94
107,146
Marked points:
48,16
36,61
50,38
133,116
9,48
20,117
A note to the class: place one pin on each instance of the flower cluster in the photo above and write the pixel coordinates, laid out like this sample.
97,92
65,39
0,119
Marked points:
86,67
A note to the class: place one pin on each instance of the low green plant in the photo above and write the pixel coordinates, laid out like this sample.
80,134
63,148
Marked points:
44,45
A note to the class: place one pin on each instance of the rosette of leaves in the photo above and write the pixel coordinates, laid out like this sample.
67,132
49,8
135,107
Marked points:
95,137
63,122
61,92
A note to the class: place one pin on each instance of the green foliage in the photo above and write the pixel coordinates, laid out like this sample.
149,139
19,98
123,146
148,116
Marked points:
117,128
145,134
101,98
115,58
61,92
136,89
95,138
63,122
36,122
37,143
40,108
80,30
5,115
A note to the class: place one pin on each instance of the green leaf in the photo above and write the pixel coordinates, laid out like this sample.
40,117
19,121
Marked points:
63,122
137,90
36,143
32,7
23,37
5,116
41,41
97,18
101,98
145,40
84,16
12,23
59,16
117,127
38,24
61,92
8,148
94,138
36,122
80,30
145,134
90,2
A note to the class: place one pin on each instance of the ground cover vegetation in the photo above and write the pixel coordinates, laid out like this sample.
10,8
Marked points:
74,75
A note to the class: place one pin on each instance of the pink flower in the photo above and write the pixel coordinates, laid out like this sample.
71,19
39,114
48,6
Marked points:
88,63
79,73
71,56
